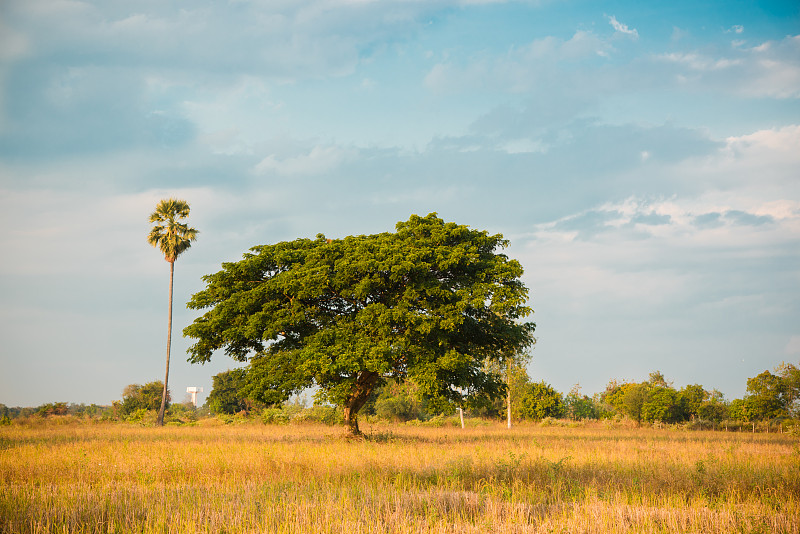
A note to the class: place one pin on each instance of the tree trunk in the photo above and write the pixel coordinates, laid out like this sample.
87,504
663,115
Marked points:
364,385
351,421
508,393
160,421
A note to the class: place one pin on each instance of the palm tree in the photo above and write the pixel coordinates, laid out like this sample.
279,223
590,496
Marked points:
172,238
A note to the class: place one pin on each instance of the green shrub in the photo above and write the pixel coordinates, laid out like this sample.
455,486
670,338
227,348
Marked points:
142,416
274,416
328,415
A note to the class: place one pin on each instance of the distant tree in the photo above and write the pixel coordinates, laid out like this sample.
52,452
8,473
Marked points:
226,396
690,399
657,400
772,396
766,397
578,406
657,379
172,238
713,410
147,397
517,383
429,303
82,410
53,408
790,376
738,410
541,401
661,404
628,399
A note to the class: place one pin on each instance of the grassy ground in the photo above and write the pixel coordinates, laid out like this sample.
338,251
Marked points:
306,479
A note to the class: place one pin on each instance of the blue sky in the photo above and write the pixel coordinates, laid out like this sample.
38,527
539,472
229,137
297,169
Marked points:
642,159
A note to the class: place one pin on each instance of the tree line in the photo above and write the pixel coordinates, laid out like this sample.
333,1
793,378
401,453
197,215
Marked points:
770,397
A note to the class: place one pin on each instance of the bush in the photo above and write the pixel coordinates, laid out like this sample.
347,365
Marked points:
439,421
142,416
328,415
395,408
53,408
274,416
181,414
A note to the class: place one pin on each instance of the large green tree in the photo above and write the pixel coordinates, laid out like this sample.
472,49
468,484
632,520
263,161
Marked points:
430,302
172,237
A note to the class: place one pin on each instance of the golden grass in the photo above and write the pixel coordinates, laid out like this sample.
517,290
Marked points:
306,479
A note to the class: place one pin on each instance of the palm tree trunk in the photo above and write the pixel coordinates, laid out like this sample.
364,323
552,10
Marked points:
508,393
160,421
508,405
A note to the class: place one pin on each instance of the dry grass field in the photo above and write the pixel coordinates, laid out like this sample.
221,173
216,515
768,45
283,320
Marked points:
307,479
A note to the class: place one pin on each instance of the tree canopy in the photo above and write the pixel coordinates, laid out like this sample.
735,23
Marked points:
169,235
430,302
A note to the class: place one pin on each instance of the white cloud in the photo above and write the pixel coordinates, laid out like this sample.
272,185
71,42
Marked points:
519,70
793,346
771,69
524,146
319,160
639,278
282,41
622,28
706,254
784,141
699,62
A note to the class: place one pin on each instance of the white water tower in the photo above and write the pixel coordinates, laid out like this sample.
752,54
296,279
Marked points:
194,390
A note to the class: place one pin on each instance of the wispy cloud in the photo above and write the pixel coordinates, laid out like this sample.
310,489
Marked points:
519,70
622,28
319,160
771,69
